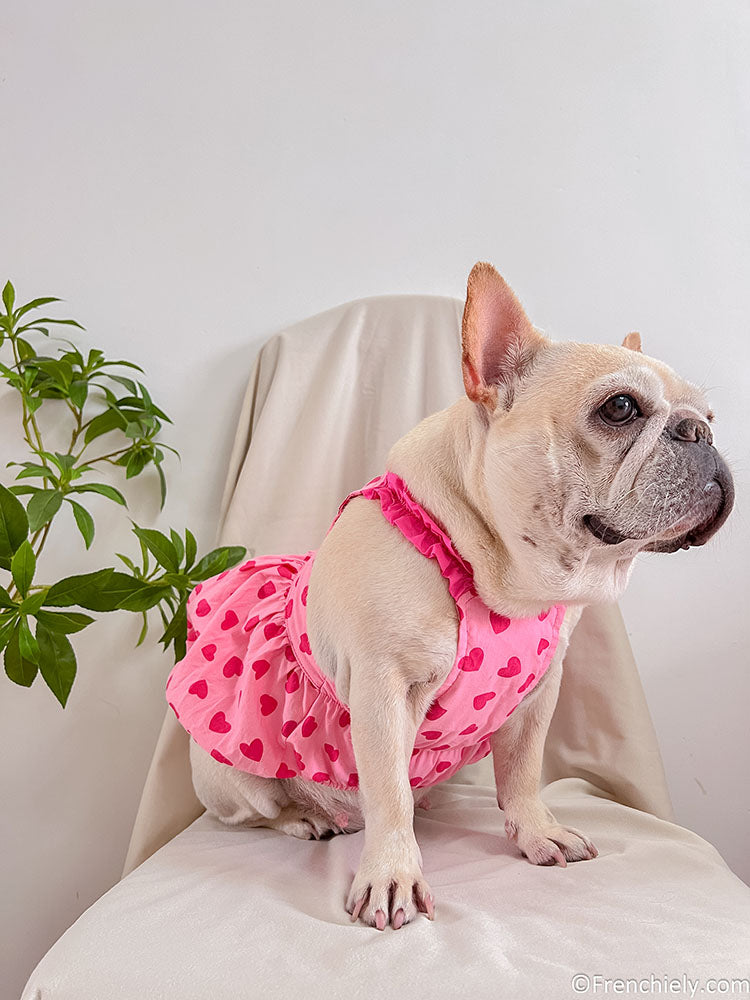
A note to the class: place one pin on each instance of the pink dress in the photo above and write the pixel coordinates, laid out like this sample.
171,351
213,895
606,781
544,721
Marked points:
250,693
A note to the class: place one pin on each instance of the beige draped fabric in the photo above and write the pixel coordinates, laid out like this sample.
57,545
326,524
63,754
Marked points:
325,401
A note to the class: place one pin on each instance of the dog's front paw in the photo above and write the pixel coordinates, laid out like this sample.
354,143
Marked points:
551,845
385,893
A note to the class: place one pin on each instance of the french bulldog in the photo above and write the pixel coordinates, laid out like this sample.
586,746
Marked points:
561,464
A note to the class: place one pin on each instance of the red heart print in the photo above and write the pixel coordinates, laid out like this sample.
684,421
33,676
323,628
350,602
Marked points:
481,699
433,734
511,711
344,719
199,689
246,567
230,620
203,608
221,758
288,728
253,751
285,772
309,726
473,661
442,765
251,623
272,630
266,590
260,667
292,682
173,709
288,609
219,724
300,762
304,643
469,730
513,668
321,776
286,571
333,753
222,575
268,704
198,588
543,615
526,683
543,644
353,780
304,596
499,623
443,746
209,651
192,635
415,781
435,711
289,654
233,667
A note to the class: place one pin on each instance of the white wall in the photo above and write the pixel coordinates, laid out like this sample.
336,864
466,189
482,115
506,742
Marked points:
192,177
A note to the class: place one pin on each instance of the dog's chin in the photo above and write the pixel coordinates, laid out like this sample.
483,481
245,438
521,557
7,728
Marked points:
694,529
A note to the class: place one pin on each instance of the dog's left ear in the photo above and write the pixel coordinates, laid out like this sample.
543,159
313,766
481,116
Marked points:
498,340
633,342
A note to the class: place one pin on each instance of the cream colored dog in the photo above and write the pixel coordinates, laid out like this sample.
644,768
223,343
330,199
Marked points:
561,464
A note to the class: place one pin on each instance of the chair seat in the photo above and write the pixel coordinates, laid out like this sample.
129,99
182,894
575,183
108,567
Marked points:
225,912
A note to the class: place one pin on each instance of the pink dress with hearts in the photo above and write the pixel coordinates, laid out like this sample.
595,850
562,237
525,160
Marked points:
250,693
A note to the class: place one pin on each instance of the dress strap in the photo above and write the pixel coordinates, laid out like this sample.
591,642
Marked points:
402,511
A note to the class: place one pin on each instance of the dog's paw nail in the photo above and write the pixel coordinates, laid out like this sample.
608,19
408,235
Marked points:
398,919
380,920
357,909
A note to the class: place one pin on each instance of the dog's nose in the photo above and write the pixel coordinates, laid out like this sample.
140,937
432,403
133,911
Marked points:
692,429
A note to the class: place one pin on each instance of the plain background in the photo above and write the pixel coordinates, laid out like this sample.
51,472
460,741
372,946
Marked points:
194,177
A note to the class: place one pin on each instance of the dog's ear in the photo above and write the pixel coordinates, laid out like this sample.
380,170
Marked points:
633,342
498,340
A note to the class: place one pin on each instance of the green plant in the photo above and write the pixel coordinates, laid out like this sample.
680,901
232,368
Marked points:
96,399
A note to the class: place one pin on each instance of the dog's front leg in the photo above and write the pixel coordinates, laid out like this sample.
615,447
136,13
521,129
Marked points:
517,749
389,886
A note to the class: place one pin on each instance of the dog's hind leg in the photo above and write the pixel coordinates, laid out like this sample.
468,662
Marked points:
238,798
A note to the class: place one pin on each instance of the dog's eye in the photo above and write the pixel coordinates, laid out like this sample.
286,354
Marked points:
619,410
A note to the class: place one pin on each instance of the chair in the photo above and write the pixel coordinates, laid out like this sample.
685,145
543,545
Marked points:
206,911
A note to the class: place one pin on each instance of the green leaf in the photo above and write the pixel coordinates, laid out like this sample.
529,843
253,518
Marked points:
30,469
64,621
217,561
176,631
42,508
57,662
9,296
84,520
160,546
178,545
25,349
14,525
67,592
27,644
105,422
127,383
148,596
34,304
136,463
106,491
49,319
5,600
22,567
7,626
18,668
162,484
191,548
79,390
31,604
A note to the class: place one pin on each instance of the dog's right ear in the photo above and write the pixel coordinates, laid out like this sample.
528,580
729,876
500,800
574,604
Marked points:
498,340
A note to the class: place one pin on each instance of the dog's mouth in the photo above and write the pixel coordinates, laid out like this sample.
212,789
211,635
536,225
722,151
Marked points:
687,532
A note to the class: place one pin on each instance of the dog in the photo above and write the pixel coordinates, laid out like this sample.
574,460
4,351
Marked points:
526,500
